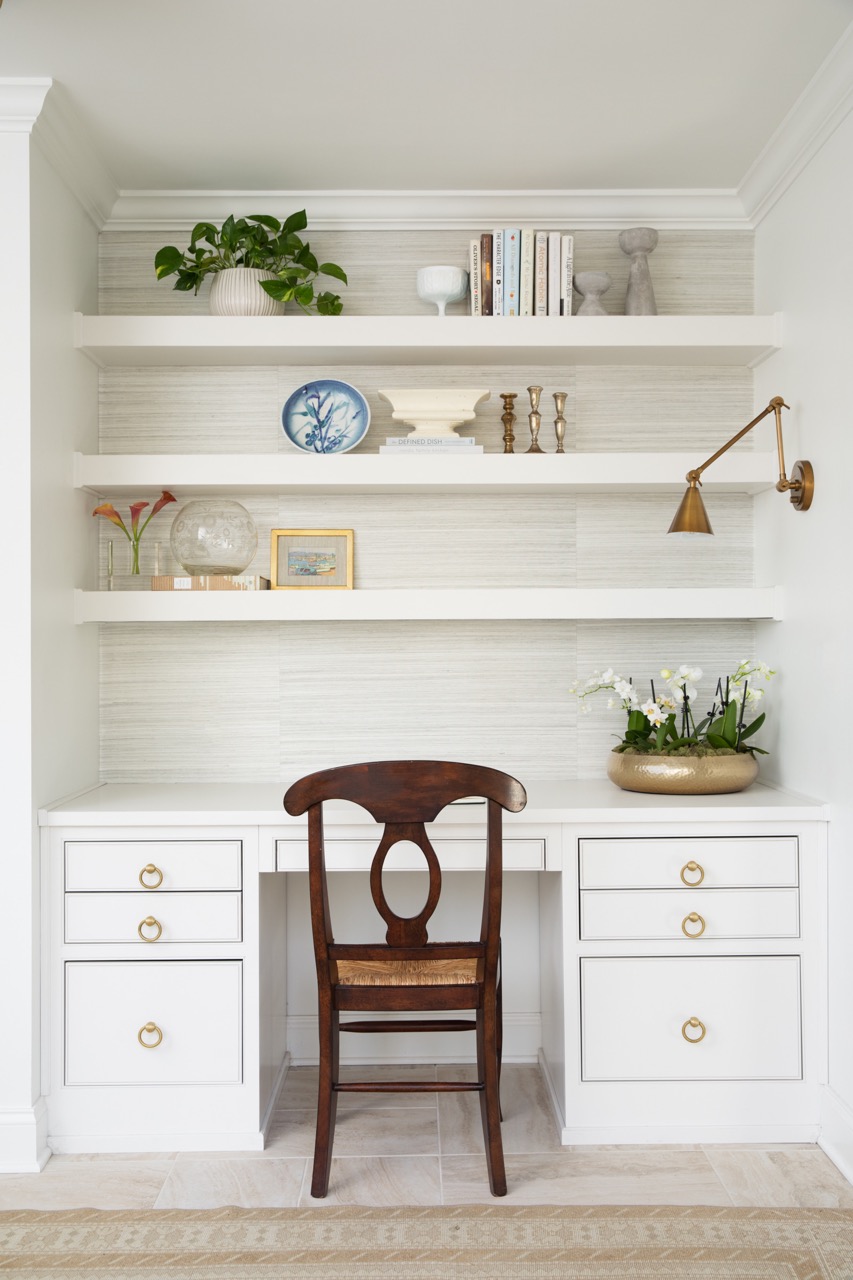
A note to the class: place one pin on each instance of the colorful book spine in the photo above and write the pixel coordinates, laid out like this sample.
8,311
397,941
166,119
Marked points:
497,272
486,280
553,273
528,241
540,275
512,271
567,267
474,283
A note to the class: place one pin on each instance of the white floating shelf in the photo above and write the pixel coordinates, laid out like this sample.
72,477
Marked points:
327,341
428,604
129,475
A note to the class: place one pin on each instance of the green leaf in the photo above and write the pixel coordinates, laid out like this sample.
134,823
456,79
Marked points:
753,728
331,269
296,221
266,220
329,304
716,740
304,294
306,258
204,231
277,289
728,729
167,260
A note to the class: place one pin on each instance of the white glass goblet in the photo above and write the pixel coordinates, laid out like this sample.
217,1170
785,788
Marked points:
442,285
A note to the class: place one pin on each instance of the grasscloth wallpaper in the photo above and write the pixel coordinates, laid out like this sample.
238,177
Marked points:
263,702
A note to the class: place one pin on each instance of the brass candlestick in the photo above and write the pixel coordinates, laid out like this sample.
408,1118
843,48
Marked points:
508,419
535,419
560,421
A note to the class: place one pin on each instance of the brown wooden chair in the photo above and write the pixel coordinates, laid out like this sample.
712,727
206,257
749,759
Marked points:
407,972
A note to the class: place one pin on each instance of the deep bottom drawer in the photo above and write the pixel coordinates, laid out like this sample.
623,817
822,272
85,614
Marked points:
636,1018
192,1010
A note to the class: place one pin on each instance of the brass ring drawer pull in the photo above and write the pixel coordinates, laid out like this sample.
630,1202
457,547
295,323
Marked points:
693,918
695,1024
692,867
150,1029
151,870
149,923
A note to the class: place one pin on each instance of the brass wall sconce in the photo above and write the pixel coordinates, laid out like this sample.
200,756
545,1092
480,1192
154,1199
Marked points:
691,516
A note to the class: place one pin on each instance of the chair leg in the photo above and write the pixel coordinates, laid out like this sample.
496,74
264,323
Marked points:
327,1099
487,1061
499,1037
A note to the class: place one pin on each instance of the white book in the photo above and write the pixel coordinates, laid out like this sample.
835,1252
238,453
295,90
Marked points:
553,273
528,241
474,277
540,275
433,446
497,272
567,267
420,442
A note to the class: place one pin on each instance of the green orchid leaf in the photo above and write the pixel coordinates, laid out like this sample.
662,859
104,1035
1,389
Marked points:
753,728
716,740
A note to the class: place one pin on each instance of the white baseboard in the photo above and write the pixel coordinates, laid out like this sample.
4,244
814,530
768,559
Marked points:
553,1096
23,1139
266,1119
836,1132
522,1037
107,1143
678,1135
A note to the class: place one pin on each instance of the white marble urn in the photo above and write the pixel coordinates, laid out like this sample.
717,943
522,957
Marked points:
434,412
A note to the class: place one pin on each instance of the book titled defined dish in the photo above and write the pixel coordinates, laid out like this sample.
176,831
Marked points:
210,582
430,444
512,271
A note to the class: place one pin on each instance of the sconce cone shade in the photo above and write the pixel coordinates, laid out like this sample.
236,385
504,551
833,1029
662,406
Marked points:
691,516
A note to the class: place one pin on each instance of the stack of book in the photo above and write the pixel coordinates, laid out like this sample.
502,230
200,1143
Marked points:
409,446
521,272
210,582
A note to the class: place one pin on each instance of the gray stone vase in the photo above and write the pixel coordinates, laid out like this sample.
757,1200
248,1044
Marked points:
638,243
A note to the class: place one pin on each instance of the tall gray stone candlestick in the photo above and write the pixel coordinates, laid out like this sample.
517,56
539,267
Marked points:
638,243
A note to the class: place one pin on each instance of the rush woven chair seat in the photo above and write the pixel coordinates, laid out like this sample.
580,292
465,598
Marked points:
408,972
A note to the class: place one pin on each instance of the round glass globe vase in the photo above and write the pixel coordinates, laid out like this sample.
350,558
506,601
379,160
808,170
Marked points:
213,535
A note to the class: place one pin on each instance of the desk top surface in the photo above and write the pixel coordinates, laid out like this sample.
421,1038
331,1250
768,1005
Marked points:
594,801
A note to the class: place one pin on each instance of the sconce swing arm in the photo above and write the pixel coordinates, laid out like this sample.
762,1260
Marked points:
801,484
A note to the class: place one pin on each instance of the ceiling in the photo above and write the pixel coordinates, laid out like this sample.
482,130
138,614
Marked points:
435,95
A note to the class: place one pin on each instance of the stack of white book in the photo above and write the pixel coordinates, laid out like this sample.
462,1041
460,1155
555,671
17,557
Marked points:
517,271
462,446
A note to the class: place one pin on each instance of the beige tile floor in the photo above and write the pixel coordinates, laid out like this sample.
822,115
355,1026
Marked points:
400,1149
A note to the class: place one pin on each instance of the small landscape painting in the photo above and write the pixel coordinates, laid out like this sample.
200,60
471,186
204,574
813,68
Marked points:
311,559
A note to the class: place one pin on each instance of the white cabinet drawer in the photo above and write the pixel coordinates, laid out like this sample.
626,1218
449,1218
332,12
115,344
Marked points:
658,862
194,1005
183,864
151,918
635,1012
665,913
453,855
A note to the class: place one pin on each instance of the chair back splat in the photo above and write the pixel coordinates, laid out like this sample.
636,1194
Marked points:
408,972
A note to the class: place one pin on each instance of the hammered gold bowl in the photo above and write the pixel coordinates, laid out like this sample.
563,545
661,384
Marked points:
682,775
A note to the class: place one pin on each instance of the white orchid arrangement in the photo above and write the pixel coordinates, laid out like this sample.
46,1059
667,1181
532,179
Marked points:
666,723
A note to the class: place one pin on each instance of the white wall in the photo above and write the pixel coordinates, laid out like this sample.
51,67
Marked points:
48,711
804,267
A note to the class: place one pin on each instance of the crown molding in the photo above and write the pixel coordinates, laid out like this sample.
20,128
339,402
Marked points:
66,145
436,210
824,103
21,102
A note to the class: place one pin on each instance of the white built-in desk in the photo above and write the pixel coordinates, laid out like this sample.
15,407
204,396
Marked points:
663,957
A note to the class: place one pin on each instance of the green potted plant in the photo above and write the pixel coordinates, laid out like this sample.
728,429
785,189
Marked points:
666,749
257,264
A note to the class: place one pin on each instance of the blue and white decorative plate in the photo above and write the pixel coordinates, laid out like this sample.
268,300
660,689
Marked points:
326,416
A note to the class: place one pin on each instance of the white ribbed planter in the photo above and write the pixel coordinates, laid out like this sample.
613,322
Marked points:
236,291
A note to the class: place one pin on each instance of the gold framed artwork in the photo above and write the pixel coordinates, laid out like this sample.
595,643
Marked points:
311,560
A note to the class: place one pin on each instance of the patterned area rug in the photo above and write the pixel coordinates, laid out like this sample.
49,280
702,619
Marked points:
466,1243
